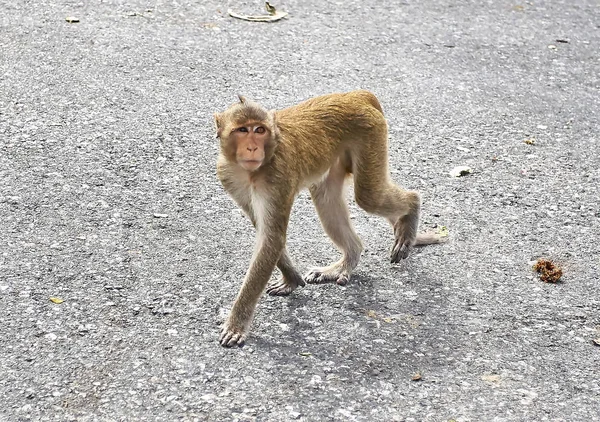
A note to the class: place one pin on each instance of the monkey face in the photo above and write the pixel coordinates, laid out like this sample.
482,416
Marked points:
250,140
248,134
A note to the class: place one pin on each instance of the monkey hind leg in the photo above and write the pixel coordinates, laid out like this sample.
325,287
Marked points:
289,280
328,197
377,194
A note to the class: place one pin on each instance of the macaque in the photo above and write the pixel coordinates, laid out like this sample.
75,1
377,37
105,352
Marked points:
267,157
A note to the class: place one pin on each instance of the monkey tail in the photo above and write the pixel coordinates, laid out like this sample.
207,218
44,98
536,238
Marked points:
429,238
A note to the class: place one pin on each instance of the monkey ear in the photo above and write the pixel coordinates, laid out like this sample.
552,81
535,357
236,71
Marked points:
273,119
218,124
242,99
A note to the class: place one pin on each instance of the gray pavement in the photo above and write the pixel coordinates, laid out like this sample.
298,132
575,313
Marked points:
109,201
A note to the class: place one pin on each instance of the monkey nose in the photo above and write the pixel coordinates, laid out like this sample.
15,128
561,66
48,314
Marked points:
251,149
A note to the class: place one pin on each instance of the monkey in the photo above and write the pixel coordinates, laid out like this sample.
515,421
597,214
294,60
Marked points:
268,156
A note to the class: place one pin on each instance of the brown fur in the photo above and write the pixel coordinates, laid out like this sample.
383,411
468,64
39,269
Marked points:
316,144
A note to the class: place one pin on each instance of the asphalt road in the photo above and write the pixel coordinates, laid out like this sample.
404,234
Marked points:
109,202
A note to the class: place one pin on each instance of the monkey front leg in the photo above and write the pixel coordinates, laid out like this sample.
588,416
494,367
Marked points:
290,277
269,248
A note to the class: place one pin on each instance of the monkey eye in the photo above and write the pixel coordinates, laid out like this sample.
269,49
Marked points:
259,129
242,129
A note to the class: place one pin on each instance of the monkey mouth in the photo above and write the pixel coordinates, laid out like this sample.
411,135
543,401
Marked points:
250,165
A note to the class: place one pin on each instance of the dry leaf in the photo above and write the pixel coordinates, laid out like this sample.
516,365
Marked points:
412,321
530,141
305,354
597,341
492,378
548,270
270,9
71,19
273,15
372,314
417,377
443,231
56,300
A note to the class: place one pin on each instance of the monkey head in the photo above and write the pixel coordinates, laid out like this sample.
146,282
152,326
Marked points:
247,133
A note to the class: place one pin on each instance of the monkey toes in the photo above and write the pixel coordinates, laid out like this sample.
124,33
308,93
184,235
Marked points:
325,275
405,232
400,250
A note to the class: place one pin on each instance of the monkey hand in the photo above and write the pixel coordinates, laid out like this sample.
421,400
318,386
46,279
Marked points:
234,331
284,286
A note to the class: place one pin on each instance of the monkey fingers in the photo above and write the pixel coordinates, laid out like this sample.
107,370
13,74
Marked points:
231,337
282,287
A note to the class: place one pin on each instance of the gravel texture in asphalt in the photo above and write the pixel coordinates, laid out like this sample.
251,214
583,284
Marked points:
109,203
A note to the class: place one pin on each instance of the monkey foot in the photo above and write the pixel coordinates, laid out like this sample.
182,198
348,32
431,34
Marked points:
405,232
325,275
282,287
232,337
400,250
